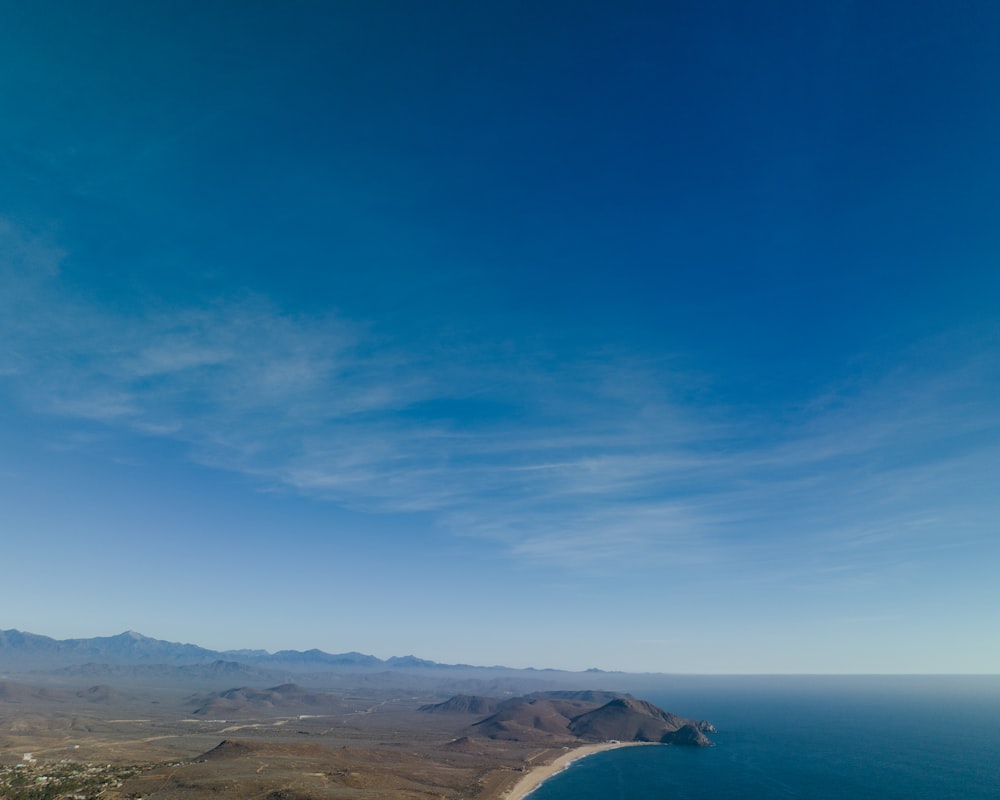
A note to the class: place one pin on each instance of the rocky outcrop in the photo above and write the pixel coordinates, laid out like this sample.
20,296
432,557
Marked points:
688,735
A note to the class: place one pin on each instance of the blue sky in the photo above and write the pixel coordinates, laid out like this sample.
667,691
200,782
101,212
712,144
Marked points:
653,337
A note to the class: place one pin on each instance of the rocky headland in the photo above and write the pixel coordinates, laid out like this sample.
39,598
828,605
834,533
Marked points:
566,717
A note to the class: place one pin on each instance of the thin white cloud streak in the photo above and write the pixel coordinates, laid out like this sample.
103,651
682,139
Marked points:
592,463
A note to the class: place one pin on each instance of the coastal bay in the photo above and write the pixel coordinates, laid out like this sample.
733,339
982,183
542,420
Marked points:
537,775
812,738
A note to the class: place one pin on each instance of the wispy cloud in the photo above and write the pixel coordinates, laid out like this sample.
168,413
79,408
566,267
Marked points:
593,460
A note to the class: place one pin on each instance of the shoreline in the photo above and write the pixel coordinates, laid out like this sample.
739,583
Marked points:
536,776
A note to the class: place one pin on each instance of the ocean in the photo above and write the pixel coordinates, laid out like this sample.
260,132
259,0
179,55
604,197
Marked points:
812,738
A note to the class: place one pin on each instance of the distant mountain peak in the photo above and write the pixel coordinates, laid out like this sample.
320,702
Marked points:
410,661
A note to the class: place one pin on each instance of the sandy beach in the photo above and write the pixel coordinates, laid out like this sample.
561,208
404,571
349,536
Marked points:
534,778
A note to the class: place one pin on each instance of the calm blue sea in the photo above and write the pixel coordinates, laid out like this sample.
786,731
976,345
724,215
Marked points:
812,738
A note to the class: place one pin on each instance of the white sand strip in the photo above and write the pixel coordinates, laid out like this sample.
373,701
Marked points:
537,775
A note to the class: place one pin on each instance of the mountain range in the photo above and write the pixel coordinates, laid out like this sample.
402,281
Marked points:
22,649
132,658
29,649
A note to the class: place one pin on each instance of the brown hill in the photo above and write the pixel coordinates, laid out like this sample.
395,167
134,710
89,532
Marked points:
541,717
464,704
288,698
103,694
559,717
526,719
12,692
628,719
228,748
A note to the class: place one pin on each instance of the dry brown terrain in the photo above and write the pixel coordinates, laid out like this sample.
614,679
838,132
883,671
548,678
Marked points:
315,745
158,720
